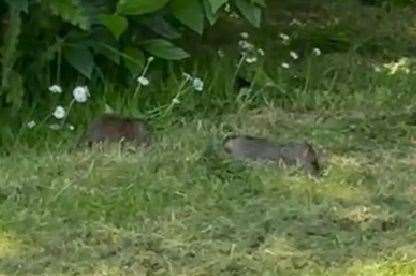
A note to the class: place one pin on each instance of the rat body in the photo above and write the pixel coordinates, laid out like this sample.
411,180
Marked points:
255,148
114,128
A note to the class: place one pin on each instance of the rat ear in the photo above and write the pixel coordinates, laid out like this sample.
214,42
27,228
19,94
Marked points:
230,137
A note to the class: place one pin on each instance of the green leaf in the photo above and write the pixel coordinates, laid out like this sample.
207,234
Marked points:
136,61
189,13
80,57
108,51
71,11
261,3
165,49
216,4
115,23
135,7
250,11
15,90
211,16
159,25
9,53
19,5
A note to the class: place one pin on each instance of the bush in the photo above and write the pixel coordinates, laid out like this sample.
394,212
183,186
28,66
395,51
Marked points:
55,42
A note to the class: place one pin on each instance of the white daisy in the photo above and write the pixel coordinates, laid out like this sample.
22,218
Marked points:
55,88
251,59
245,45
284,37
198,84
294,55
244,35
316,51
59,112
31,124
143,80
81,94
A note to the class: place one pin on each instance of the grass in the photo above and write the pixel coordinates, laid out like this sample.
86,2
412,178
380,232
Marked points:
184,208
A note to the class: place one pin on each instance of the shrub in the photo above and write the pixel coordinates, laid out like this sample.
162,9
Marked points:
99,39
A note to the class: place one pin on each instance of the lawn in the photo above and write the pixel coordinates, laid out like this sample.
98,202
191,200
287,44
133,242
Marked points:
184,208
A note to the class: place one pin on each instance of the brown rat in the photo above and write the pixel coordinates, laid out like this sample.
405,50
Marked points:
256,148
115,128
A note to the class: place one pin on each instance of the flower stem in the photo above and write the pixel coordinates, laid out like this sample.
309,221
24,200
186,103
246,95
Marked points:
67,113
240,62
59,62
146,68
174,101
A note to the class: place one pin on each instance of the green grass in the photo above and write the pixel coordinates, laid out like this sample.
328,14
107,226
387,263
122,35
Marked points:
184,208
